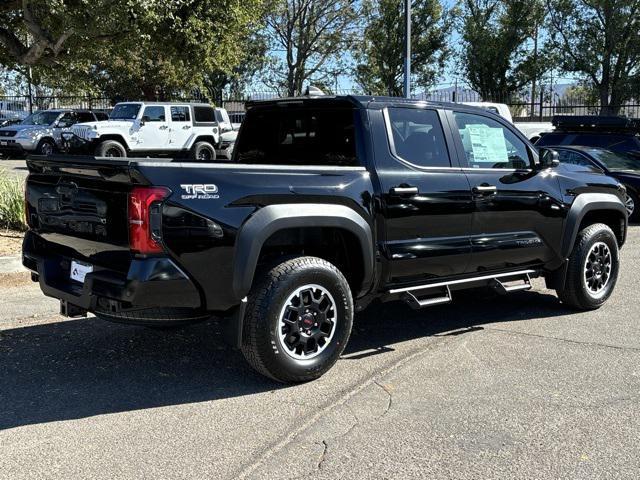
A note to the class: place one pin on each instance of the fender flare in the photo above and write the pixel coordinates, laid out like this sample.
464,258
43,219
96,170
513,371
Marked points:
115,136
270,219
583,204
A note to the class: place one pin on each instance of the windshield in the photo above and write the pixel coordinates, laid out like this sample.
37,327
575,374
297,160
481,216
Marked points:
125,111
617,160
41,118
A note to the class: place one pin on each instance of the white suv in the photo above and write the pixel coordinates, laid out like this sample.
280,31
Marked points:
150,129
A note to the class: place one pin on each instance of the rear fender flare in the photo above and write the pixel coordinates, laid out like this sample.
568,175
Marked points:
268,220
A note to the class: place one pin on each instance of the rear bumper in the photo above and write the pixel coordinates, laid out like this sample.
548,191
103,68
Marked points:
151,283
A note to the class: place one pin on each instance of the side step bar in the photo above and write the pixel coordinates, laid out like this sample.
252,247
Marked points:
507,285
432,298
421,296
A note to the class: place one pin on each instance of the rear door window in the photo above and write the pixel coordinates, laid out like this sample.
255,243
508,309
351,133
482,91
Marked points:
299,136
180,114
418,137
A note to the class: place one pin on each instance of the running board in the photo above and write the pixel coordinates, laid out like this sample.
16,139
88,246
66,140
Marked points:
507,285
428,295
433,298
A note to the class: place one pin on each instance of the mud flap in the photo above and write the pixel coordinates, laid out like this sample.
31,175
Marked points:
232,326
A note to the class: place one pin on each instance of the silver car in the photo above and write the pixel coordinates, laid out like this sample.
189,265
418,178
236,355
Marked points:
40,133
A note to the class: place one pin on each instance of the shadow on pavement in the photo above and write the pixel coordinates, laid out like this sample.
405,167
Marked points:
80,368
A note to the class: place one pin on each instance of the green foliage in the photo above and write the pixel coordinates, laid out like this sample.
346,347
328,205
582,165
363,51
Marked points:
600,40
498,57
11,202
380,56
129,48
234,81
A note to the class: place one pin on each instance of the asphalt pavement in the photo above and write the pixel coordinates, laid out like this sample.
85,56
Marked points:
487,387
16,168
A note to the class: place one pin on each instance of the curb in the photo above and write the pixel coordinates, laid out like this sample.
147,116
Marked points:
11,264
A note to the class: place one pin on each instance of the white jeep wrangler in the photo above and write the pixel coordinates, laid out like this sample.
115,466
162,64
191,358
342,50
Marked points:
150,129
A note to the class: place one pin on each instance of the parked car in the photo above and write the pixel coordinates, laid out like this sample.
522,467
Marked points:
623,167
329,203
153,129
227,144
6,122
531,130
41,132
618,134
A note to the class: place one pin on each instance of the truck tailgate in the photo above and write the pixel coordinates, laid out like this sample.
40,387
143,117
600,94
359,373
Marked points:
79,206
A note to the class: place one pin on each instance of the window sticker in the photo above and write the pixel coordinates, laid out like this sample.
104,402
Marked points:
486,144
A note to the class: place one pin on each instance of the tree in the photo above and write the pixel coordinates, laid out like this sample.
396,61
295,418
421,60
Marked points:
305,38
234,81
380,56
46,32
144,48
600,40
497,57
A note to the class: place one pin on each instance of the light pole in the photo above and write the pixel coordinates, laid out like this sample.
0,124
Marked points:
407,48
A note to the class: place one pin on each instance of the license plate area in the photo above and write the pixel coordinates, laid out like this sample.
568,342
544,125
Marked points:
78,271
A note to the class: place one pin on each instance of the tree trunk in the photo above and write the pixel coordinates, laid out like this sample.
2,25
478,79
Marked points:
603,92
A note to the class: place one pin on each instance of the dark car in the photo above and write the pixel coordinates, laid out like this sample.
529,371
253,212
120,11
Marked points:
328,204
618,134
623,167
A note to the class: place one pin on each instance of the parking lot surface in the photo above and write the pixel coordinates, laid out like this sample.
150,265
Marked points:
487,387
17,168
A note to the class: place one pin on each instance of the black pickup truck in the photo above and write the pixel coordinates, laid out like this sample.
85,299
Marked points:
328,203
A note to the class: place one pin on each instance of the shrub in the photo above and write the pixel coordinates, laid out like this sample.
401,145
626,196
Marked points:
11,202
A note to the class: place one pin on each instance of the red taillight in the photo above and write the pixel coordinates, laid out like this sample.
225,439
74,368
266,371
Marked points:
145,218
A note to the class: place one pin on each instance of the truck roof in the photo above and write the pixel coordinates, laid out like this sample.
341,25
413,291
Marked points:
363,101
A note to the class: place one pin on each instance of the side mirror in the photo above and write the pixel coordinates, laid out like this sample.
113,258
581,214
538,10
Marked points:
549,158
144,120
64,124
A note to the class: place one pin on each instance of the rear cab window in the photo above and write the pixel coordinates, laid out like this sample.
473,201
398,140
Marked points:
296,135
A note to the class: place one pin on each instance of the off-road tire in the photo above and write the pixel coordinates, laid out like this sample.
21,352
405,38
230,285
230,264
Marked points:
109,147
260,343
46,147
201,148
575,292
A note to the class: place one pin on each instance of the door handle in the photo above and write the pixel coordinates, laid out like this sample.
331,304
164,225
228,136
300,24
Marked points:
186,127
485,189
404,190
164,127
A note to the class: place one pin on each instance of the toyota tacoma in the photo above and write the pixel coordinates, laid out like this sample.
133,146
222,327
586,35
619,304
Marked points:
328,204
